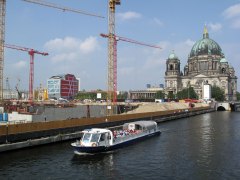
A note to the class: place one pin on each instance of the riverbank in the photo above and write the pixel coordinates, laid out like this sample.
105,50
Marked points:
165,106
35,138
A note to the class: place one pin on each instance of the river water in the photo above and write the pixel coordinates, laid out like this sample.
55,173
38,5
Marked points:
200,147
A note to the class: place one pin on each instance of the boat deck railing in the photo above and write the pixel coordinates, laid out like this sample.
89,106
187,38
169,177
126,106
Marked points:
130,136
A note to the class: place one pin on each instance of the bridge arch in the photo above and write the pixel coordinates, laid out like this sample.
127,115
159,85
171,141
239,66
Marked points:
221,108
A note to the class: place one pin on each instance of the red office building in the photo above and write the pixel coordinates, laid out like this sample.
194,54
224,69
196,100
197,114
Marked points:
62,86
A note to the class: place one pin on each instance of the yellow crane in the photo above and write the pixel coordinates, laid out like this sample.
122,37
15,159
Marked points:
111,54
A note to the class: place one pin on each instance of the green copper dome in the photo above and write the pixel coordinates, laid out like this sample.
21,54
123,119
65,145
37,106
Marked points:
205,46
223,60
172,56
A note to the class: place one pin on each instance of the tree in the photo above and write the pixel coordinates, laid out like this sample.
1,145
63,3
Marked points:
123,95
218,93
159,95
170,95
86,95
238,96
187,93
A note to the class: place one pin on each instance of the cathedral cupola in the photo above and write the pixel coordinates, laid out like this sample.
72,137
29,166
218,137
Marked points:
205,46
173,64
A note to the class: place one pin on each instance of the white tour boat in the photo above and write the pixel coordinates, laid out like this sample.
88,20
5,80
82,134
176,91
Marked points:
101,140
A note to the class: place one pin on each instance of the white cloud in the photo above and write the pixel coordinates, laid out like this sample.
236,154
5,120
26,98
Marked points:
215,27
89,45
70,48
129,15
189,42
158,22
236,24
232,11
58,44
20,64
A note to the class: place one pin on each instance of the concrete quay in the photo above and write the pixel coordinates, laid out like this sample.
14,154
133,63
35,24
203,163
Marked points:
8,146
37,142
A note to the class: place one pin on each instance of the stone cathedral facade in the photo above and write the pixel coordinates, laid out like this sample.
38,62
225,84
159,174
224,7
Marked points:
206,64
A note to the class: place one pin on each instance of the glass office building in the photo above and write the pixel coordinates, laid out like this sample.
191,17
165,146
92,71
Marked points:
62,86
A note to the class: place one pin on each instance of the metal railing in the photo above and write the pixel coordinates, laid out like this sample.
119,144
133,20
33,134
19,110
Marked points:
131,136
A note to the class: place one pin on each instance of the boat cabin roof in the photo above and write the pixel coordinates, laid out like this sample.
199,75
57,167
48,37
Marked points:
95,130
144,124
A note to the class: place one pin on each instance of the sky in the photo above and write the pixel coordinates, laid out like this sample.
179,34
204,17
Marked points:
75,46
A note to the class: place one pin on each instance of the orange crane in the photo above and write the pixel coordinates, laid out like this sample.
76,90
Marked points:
48,4
119,38
31,52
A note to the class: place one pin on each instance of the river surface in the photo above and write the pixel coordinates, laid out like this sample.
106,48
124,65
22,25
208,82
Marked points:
200,147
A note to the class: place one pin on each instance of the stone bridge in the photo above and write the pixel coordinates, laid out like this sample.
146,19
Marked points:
227,106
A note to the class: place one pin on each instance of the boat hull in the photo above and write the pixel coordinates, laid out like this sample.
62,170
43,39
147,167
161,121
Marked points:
99,149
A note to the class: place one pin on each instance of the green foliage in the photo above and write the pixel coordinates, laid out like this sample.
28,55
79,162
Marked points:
123,95
187,93
93,95
238,96
218,93
90,95
170,95
160,95
86,95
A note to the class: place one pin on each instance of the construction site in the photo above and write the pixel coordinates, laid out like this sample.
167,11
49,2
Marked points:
20,103
28,118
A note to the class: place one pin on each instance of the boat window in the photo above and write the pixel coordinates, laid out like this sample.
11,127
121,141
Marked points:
86,137
102,138
138,127
108,136
95,137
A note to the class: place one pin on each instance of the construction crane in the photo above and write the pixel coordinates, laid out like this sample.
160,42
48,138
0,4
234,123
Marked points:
2,40
111,54
31,52
119,38
48,4
2,30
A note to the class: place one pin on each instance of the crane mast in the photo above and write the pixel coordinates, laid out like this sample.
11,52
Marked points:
2,31
31,52
2,39
111,55
112,68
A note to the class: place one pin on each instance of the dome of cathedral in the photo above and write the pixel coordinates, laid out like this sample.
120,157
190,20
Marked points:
223,60
172,56
206,46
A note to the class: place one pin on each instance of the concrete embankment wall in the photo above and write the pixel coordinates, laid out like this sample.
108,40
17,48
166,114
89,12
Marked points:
31,134
80,111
